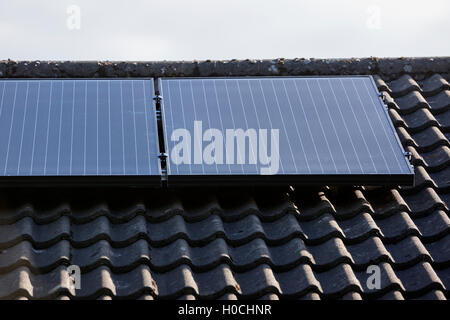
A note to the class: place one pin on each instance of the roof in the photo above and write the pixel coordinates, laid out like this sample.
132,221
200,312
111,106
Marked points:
272,243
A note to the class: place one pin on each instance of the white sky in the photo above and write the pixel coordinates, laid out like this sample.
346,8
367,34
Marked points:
212,29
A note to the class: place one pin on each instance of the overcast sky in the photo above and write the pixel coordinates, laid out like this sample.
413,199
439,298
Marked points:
211,29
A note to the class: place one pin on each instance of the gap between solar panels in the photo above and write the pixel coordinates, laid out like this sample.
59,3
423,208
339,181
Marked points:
198,131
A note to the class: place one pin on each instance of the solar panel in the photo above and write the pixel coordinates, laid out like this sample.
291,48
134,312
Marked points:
287,129
96,131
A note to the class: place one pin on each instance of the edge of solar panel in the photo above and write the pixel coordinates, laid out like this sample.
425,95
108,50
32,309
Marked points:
88,180
295,179
307,179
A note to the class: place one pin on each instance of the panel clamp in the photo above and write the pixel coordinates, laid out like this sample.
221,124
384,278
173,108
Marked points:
408,155
158,98
162,156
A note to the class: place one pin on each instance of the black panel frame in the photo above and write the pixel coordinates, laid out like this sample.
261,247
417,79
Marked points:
80,181
283,180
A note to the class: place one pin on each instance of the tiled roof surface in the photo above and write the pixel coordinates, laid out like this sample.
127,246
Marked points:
271,243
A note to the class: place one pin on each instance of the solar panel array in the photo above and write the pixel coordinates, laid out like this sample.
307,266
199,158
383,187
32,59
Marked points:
330,129
214,130
78,128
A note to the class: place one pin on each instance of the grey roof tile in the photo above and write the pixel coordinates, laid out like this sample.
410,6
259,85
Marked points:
441,179
339,280
370,251
440,251
437,159
434,225
434,84
444,276
381,84
411,103
444,121
403,85
386,202
425,201
429,138
440,102
408,251
359,227
397,227
418,120
26,229
322,228
424,141
419,279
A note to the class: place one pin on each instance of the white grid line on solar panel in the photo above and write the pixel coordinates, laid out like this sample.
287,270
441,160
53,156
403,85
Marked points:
35,127
390,127
284,125
60,125
308,125
196,141
96,128
3,95
207,113
384,125
231,113
171,114
321,126
109,131
10,128
246,123
23,128
134,126
257,116
358,125
71,135
48,127
296,127
268,113
371,127
333,125
220,114
253,104
146,126
85,127
349,136
123,133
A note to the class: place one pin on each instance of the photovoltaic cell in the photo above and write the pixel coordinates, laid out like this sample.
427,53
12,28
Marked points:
331,130
78,128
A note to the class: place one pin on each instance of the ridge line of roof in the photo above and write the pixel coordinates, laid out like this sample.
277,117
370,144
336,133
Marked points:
388,68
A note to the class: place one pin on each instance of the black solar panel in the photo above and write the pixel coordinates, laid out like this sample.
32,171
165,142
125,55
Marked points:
296,130
104,130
